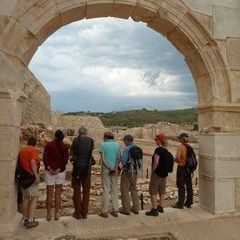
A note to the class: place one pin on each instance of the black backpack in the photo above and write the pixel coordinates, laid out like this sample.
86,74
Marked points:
166,163
135,160
23,178
191,162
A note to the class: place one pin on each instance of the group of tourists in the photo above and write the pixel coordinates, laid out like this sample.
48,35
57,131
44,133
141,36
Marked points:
114,162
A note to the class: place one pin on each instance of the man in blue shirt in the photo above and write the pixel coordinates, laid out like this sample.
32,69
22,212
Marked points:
128,181
110,155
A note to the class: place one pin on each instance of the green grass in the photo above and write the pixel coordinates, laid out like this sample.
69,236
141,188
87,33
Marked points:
137,118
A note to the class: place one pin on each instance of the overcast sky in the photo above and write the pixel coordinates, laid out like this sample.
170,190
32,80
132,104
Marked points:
112,64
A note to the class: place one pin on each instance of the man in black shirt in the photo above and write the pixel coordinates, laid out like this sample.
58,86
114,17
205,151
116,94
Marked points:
82,160
162,160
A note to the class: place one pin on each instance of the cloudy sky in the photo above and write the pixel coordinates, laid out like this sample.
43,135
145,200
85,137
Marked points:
112,64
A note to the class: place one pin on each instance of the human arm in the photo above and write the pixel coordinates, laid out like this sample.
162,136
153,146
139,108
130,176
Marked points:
156,159
103,161
178,154
35,170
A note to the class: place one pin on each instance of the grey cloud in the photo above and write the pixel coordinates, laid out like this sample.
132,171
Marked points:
65,54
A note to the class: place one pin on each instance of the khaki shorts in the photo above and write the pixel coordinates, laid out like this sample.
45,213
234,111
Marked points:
32,191
157,185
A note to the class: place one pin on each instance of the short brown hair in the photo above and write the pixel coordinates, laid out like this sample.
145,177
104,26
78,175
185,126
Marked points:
108,135
32,141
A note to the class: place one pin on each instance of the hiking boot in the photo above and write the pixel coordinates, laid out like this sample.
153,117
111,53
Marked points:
176,205
114,214
77,216
187,205
31,224
104,215
135,212
25,222
57,216
123,212
49,217
160,209
153,212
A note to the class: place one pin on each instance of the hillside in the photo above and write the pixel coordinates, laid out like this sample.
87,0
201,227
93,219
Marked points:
137,118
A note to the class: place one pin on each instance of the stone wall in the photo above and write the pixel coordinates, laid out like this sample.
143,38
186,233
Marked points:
37,106
94,125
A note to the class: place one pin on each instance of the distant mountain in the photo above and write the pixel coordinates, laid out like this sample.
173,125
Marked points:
139,117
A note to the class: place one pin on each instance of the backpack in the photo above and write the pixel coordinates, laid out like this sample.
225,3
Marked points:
23,178
166,163
191,162
135,160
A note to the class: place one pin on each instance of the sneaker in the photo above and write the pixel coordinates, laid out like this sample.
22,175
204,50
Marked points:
160,209
49,217
153,212
104,215
176,205
57,216
114,214
32,224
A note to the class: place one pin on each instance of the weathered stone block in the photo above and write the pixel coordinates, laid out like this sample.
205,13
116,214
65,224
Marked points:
42,20
8,203
227,3
71,10
237,182
18,41
235,85
12,72
203,6
226,22
7,7
9,142
7,172
224,196
233,53
100,8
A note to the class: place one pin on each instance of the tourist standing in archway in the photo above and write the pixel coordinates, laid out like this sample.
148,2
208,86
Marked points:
29,161
110,154
162,164
132,161
184,177
82,161
55,158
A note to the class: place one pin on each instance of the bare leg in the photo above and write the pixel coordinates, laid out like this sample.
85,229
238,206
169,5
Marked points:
49,200
58,192
31,207
154,201
25,205
161,197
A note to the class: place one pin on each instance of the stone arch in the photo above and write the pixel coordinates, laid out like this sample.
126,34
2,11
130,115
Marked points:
173,19
25,24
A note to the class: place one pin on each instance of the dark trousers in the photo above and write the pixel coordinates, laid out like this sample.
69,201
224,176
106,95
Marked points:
81,194
184,182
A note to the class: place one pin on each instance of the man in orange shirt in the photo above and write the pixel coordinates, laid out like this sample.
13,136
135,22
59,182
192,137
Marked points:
184,178
30,161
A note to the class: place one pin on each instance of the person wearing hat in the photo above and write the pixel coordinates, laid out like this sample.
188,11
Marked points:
184,179
159,174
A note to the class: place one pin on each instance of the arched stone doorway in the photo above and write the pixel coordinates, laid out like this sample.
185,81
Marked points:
194,28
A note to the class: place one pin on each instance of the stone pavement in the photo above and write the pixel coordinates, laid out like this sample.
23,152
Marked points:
184,224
